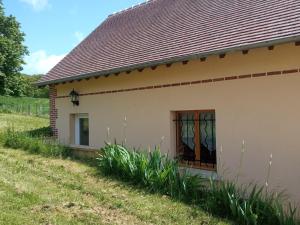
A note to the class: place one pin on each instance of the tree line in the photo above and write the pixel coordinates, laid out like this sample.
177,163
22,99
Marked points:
25,86
12,52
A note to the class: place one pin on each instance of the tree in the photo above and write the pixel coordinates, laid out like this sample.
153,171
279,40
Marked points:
12,52
30,89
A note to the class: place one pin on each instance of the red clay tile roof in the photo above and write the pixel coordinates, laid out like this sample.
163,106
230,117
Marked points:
166,30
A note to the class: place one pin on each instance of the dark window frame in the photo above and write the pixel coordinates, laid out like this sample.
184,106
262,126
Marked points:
192,157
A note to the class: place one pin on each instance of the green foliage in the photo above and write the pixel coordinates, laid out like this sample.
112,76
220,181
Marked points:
153,170
36,142
14,85
12,52
247,206
22,85
30,89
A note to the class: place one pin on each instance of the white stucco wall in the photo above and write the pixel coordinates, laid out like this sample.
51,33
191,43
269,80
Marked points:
263,111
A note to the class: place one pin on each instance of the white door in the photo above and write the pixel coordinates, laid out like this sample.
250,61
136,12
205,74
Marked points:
82,129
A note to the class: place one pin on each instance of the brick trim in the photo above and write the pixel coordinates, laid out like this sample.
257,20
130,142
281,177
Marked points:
260,74
53,109
186,83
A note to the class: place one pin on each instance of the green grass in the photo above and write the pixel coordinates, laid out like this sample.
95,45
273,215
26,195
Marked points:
21,122
39,190
24,105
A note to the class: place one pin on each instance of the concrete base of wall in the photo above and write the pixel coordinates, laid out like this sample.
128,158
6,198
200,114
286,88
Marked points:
203,173
85,153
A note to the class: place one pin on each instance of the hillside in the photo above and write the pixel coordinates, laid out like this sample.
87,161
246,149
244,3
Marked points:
24,105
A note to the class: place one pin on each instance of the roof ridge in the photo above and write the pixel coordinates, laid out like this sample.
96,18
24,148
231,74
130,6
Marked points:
130,8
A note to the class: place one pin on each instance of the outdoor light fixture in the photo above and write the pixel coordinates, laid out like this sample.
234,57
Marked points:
74,97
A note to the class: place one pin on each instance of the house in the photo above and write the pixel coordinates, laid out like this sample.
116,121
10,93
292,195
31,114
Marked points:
207,81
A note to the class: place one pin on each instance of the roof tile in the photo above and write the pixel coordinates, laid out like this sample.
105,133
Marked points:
165,29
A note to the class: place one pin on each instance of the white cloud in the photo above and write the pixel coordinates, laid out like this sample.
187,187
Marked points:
79,36
40,62
37,5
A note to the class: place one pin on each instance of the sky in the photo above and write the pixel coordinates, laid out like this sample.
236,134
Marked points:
54,27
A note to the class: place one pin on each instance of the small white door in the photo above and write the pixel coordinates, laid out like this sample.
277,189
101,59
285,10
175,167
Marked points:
82,129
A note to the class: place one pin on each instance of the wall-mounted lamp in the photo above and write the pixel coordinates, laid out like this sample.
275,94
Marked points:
74,97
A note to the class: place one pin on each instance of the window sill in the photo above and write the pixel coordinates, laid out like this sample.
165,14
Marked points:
196,165
204,173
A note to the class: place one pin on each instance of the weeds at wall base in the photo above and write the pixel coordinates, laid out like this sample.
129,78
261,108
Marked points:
35,142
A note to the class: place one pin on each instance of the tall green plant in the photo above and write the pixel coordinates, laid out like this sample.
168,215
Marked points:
247,206
153,170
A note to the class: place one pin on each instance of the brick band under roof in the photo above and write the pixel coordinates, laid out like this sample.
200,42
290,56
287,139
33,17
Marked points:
189,83
168,29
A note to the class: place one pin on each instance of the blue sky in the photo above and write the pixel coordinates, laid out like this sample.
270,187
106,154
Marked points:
54,27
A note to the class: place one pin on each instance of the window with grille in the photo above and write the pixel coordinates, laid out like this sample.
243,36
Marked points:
196,138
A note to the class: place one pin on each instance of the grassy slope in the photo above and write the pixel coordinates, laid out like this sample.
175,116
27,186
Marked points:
20,122
25,105
38,190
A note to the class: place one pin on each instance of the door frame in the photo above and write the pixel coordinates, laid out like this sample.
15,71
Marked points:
77,126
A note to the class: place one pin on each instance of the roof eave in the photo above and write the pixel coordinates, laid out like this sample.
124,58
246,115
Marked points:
173,60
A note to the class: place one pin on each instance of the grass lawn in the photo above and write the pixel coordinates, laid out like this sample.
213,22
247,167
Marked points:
38,190
21,122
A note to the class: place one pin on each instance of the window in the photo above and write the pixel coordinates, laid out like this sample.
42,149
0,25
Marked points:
82,129
196,138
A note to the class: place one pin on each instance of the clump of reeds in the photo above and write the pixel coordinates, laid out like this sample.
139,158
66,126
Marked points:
150,169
